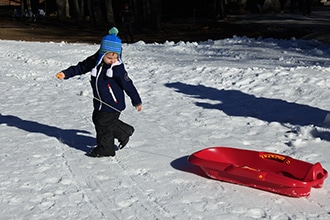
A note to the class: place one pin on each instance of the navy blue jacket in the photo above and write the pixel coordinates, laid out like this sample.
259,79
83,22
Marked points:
108,83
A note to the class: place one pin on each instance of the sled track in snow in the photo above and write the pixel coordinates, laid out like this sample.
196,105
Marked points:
96,178
150,206
85,183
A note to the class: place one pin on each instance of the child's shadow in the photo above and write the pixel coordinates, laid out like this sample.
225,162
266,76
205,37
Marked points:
73,138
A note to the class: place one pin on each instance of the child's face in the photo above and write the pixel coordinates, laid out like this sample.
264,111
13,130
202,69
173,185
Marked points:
110,58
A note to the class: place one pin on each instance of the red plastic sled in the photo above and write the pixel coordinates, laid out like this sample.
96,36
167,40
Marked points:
263,170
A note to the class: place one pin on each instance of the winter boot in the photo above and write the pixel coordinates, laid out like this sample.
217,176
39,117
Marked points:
101,151
122,132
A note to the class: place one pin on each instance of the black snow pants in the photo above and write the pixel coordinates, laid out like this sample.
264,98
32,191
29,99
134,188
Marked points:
105,123
108,127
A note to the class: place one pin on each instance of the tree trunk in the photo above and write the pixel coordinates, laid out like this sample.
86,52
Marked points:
67,9
147,13
141,11
91,13
155,14
34,6
96,10
26,7
78,9
110,19
101,13
62,9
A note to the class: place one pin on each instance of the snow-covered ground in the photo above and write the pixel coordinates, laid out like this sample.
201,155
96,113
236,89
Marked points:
264,94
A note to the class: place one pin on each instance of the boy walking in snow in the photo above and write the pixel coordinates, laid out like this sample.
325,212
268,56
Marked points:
109,81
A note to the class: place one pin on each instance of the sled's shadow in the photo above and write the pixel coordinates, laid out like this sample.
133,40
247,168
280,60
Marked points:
237,103
77,139
183,164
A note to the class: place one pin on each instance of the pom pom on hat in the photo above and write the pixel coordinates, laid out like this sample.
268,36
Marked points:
114,31
110,43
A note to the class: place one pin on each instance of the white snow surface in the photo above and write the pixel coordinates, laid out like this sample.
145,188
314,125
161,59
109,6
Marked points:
258,94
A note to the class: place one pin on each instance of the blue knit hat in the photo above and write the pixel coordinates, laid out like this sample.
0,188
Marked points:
110,43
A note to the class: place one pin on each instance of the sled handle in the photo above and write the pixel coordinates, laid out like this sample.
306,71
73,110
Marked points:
316,173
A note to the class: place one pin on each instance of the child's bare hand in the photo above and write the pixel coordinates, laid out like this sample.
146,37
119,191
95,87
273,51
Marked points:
60,75
139,107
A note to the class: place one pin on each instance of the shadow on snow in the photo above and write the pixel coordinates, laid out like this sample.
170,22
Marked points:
71,137
183,164
237,103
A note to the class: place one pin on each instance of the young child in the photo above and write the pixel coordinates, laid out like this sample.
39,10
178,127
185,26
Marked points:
109,80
